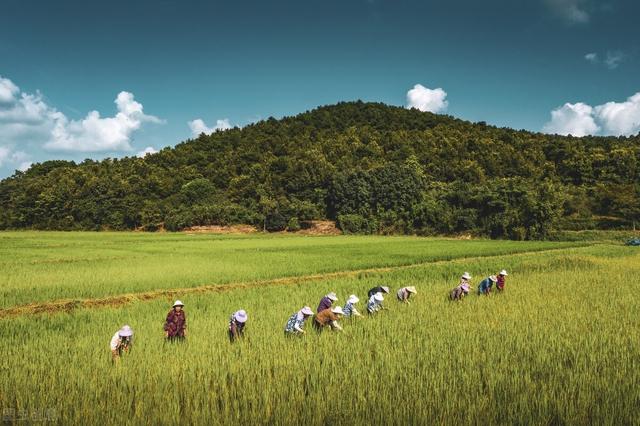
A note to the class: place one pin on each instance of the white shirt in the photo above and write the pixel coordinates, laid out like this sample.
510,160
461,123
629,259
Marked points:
115,341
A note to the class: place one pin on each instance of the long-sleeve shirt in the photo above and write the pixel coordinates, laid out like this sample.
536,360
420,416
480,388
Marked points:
373,305
327,317
485,285
375,290
350,310
176,323
403,294
464,286
501,281
295,323
325,303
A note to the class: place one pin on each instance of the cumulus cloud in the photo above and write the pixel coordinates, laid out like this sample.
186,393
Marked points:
98,134
620,118
572,11
611,118
575,119
16,159
425,99
148,150
198,126
27,118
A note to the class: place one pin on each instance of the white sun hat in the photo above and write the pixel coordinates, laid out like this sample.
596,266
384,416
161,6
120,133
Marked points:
493,278
466,276
411,289
178,303
337,310
353,299
241,316
504,272
379,297
125,331
306,311
385,289
332,296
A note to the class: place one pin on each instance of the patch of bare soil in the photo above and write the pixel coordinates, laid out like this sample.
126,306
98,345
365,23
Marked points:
218,229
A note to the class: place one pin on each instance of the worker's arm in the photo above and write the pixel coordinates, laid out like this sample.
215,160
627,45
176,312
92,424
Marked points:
297,327
335,325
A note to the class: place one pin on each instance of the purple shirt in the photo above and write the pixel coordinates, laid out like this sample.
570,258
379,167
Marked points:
325,303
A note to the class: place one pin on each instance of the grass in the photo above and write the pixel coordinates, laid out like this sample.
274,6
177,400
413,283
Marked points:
560,346
44,266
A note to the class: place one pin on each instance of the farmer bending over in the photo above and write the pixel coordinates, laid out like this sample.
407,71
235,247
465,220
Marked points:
328,317
327,301
375,303
485,285
296,321
121,342
350,308
405,293
236,324
383,289
463,288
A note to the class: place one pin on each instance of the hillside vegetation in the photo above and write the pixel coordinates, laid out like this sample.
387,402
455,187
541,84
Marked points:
370,167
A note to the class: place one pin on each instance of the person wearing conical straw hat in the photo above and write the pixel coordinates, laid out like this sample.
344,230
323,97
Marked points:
502,276
485,285
328,317
350,308
327,301
405,293
121,342
236,324
296,322
463,288
175,327
381,289
375,303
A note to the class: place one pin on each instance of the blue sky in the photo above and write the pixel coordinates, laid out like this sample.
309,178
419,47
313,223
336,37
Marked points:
559,66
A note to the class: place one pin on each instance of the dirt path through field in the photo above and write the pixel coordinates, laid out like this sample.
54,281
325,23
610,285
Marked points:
68,305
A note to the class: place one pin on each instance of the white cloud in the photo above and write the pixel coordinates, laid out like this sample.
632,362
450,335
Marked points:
572,11
198,126
424,99
575,119
97,134
8,90
620,118
148,150
592,57
611,118
26,119
24,166
12,158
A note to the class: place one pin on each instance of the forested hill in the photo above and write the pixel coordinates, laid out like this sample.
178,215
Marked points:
371,167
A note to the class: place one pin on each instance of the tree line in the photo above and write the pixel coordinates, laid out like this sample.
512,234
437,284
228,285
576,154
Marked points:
370,167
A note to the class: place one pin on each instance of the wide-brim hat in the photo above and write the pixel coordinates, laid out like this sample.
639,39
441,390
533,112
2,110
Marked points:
466,276
306,311
504,272
379,297
385,289
411,289
353,299
178,303
241,316
493,278
332,296
337,310
125,331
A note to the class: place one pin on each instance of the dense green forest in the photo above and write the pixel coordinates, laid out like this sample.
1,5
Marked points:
370,167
